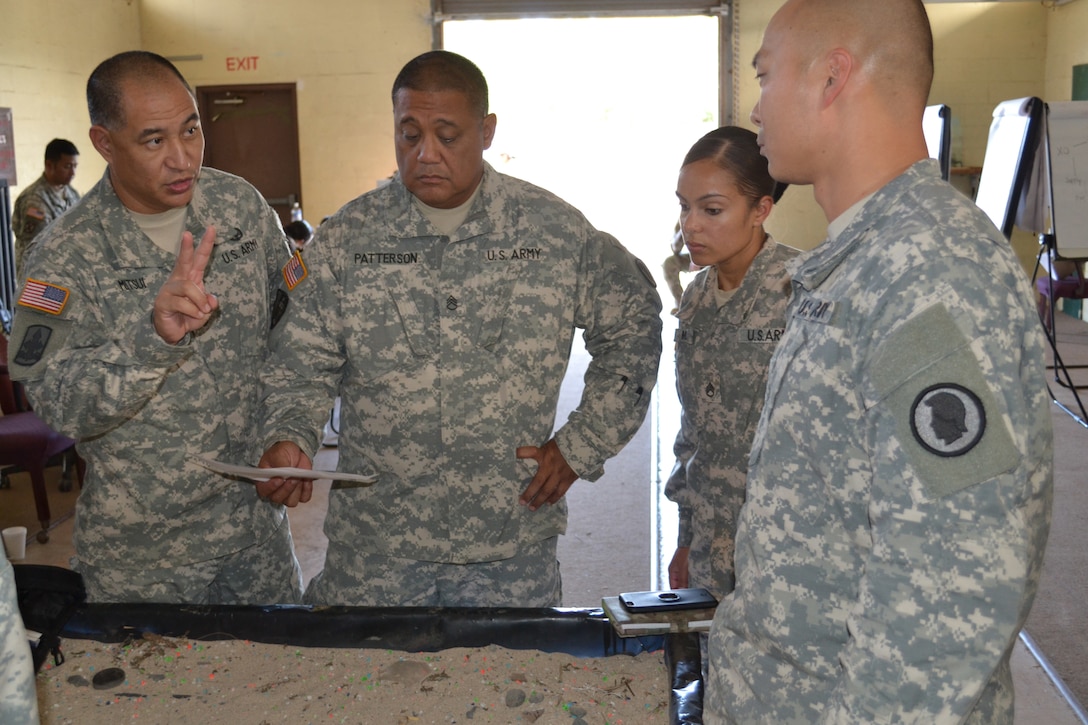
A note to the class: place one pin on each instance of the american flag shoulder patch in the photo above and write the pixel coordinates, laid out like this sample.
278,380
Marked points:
43,296
294,271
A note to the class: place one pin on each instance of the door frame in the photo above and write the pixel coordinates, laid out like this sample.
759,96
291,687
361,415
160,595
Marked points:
724,10
205,106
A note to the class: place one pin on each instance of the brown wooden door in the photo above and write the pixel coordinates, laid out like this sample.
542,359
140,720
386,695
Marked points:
252,131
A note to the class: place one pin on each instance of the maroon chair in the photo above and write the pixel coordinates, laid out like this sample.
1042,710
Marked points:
1074,287
28,443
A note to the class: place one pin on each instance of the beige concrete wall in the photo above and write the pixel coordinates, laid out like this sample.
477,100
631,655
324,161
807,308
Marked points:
47,50
1067,30
341,54
986,53
797,220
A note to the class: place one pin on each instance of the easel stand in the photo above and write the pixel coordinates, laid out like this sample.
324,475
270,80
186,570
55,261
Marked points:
1048,247
7,254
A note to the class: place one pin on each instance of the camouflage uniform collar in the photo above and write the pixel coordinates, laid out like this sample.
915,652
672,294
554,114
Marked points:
811,269
488,213
57,194
199,217
737,310
122,236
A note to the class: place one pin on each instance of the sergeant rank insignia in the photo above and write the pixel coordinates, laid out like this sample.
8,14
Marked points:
43,296
294,271
947,419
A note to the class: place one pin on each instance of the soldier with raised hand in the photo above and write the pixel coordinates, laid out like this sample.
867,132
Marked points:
145,345
901,478
441,308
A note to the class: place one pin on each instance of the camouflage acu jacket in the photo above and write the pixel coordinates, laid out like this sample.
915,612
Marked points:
34,208
721,372
18,698
95,370
900,481
448,353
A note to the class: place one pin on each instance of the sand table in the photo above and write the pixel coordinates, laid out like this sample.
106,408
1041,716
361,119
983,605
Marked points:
159,679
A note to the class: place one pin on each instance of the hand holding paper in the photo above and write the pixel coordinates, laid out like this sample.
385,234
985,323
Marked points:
265,474
289,492
284,474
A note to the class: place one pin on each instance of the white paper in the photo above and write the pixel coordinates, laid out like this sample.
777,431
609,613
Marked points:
263,474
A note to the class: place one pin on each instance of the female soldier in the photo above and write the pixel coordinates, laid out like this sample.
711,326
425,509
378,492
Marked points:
730,318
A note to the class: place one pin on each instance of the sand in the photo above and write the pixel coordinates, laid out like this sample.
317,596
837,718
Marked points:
238,681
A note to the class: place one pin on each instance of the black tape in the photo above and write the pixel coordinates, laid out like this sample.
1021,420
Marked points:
279,306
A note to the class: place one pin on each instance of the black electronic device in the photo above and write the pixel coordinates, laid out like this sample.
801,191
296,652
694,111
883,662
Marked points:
668,600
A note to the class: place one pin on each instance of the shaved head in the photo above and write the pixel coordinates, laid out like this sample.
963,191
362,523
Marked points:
843,87
891,39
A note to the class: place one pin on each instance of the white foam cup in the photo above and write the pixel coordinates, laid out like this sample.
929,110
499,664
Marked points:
15,542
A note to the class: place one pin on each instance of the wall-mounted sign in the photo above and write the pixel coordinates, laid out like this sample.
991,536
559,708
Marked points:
247,63
7,148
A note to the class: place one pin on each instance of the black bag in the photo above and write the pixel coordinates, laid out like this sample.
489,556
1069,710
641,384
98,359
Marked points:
48,596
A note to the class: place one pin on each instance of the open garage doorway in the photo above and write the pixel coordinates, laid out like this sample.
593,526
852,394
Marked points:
601,112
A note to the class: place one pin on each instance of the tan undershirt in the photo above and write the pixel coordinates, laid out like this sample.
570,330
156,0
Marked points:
722,296
164,229
447,220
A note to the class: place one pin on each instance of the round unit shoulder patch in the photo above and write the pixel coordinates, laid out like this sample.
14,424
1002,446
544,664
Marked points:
947,419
